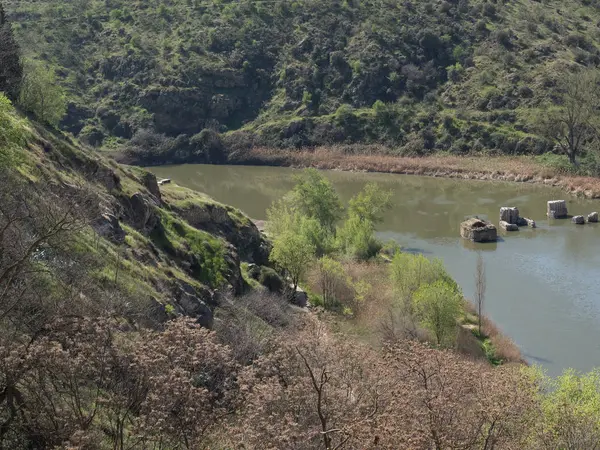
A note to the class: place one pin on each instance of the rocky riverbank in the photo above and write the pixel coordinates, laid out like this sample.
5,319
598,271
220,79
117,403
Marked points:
499,168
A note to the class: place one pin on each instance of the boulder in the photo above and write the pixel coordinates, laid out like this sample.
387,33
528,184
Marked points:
142,212
509,215
592,218
579,220
529,223
557,209
192,302
508,226
300,298
478,230
149,181
108,178
108,226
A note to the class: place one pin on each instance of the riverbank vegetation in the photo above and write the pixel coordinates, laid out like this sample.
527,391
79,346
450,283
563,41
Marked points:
197,82
113,336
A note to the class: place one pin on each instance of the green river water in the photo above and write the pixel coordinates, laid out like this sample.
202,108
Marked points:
543,285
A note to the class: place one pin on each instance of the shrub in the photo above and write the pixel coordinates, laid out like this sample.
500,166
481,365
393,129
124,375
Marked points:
270,279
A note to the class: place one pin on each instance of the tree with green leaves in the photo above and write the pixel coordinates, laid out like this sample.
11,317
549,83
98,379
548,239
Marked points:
438,307
41,94
573,125
316,197
293,253
370,203
570,410
11,69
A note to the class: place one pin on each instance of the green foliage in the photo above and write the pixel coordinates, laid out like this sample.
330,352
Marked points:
409,272
11,68
356,239
332,278
370,204
41,94
316,198
438,307
293,253
570,406
12,134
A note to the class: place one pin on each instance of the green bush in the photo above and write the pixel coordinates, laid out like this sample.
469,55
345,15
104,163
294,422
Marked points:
270,279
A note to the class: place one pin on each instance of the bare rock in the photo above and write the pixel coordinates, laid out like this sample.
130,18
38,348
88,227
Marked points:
508,226
592,218
478,230
108,178
529,222
108,226
557,209
142,212
150,183
192,302
509,215
579,220
300,298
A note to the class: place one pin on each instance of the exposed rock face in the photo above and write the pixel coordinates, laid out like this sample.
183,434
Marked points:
509,215
250,244
579,220
193,302
508,226
108,226
557,209
300,298
142,213
593,217
478,230
150,182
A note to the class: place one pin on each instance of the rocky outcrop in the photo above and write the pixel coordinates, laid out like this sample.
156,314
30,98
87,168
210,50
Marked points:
592,218
509,215
508,226
149,181
141,212
557,209
579,220
108,226
478,230
250,244
194,302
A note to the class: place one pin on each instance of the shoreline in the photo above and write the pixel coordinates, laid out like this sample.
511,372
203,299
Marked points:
520,169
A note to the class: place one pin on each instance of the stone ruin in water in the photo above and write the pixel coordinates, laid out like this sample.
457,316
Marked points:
557,209
510,220
478,230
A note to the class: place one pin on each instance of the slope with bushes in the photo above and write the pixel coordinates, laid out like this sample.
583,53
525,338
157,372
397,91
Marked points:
193,80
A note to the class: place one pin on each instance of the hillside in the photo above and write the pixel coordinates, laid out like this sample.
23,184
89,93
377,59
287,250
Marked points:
460,75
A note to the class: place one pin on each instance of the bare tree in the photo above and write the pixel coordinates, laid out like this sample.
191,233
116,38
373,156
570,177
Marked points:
572,125
480,287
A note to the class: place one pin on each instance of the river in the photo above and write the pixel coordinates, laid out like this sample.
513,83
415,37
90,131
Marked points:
543,285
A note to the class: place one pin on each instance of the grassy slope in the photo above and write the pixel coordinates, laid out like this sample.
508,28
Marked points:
280,72
150,264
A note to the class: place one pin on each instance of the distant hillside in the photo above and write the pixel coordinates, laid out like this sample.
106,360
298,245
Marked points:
417,76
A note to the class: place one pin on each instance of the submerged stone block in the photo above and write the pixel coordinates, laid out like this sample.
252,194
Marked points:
478,230
593,217
529,222
509,215
557,209
579,220
508,226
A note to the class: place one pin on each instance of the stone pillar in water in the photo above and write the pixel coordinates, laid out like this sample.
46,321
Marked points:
557,209
593,218
509,215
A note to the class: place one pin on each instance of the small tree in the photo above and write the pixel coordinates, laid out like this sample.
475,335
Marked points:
480,286
438,307
370,204
573,124
11,69
332,278
315,197
42,95
293,253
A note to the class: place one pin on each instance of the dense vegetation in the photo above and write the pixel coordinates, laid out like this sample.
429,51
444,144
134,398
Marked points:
187,80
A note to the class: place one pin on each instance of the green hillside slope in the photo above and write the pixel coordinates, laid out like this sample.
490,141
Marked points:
419,76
